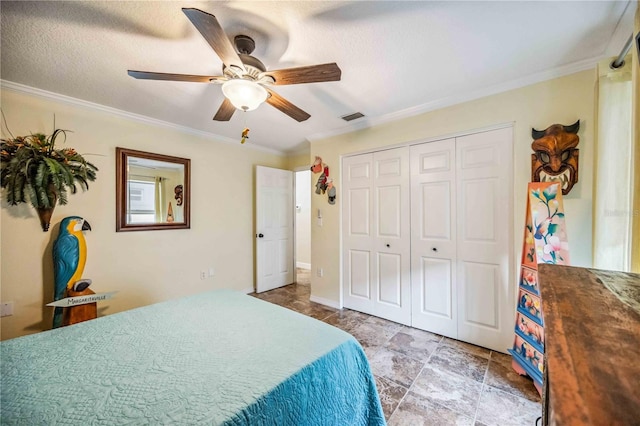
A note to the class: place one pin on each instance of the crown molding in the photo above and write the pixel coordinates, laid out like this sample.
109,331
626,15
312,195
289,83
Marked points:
45,94
561,71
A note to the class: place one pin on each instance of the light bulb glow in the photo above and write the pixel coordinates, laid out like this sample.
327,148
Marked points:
245,95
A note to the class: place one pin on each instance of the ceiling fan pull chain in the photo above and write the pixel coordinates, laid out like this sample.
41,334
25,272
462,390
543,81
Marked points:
245,132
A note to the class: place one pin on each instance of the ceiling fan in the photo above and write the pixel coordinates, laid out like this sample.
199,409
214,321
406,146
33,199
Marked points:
245,80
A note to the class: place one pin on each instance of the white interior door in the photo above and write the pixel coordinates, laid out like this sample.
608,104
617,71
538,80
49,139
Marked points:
485,294
433,237
376,242
274,228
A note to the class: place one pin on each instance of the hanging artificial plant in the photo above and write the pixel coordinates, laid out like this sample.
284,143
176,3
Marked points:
34,170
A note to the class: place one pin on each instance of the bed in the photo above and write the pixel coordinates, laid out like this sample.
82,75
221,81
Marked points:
217,358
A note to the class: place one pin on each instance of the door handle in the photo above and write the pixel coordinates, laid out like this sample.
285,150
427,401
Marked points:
388,245
260,235
434,249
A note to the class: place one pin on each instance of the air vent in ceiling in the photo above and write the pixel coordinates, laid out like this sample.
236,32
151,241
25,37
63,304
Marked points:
351,117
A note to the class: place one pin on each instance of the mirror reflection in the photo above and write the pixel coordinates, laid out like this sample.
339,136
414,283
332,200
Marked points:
152,191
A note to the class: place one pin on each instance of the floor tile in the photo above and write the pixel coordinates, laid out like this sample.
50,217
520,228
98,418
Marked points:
303,276
395,366
388,325
417,344
370,350
390,395
371,334
346,319
318,311
296,305
297,290
415,332
414,410
459,361
455,392
502,376
501,408
476,350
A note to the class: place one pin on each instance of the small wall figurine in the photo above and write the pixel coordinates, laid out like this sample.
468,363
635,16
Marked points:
317,167
556,156
69,258
245,135
331,191
178,190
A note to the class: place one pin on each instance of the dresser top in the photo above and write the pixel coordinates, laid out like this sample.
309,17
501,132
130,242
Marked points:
592,348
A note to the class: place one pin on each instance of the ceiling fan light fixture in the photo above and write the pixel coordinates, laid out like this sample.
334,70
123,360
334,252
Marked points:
246,95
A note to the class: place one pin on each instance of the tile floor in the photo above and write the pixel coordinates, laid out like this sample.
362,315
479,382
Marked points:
424,378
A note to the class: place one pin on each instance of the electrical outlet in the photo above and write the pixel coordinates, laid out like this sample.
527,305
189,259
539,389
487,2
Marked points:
319,272
212,272
6,309
203,275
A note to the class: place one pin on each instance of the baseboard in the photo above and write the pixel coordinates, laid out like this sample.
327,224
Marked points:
326,302
248,290
303,265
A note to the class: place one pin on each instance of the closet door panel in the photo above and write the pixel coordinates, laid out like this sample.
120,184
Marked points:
390,279
433,237
358,239
392,276
437,287
485,295
359,200
359,279
389,211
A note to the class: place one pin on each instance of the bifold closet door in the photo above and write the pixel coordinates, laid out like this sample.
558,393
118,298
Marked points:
485,294
460,238
433,237
376,240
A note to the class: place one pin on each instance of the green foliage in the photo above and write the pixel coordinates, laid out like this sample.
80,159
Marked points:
34,171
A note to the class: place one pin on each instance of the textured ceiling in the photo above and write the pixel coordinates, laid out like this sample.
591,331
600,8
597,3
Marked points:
395,56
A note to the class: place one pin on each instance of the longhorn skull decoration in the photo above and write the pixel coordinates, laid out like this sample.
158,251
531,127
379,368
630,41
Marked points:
555,157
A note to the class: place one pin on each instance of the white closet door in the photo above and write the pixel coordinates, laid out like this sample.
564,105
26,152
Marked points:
358,238
392,268
485,295
376,242
433,237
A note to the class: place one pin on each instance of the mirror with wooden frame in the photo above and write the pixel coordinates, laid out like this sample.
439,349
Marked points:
152,191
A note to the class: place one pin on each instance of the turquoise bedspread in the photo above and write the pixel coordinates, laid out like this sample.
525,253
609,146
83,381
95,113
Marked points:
216,358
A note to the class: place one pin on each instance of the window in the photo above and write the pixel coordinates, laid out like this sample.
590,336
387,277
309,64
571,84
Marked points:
141,202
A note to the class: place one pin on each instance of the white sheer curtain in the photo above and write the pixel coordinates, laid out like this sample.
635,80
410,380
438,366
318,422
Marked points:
159,200
614,165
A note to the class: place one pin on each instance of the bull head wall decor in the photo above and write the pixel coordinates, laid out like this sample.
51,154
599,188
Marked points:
555,157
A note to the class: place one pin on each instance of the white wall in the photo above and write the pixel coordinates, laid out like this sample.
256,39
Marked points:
562,100
303,218
146,266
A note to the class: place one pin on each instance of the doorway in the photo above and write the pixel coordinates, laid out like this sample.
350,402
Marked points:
303,226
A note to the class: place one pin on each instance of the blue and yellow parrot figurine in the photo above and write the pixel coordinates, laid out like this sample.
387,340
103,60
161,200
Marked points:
69,257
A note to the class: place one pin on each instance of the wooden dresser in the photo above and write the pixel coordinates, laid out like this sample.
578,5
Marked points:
592,347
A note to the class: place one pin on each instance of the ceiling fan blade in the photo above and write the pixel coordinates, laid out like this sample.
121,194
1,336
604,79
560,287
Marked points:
225,111
144,75
285,106
310,74
211,30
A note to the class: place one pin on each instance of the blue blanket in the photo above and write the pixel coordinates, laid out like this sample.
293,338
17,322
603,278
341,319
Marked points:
216,358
